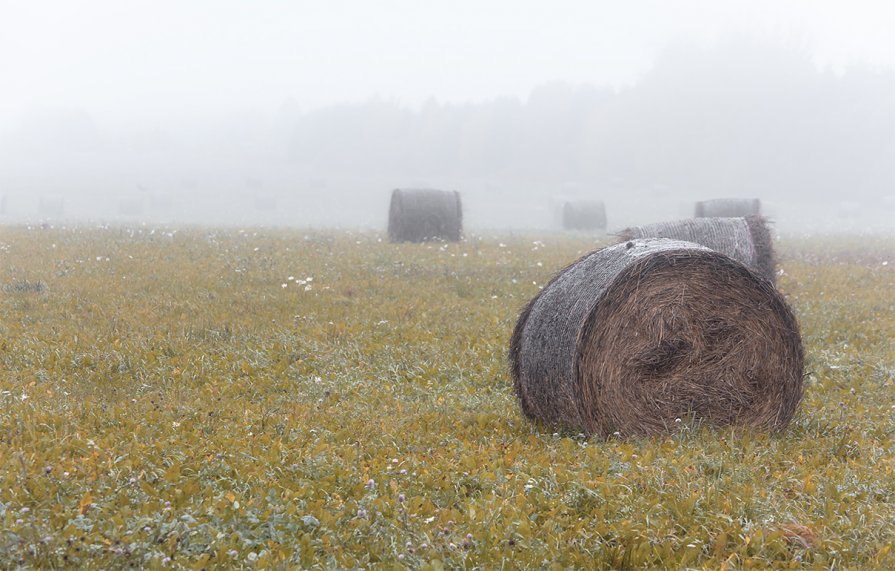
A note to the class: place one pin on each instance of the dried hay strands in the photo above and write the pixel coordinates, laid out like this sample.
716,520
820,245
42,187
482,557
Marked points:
727,207
583,215
419,215
746,240
636,337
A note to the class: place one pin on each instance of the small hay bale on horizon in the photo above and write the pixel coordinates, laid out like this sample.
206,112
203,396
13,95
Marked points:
644,336
727,208
420,215
583,215
745,239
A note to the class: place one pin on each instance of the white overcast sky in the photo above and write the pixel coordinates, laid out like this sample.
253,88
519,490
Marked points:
155,59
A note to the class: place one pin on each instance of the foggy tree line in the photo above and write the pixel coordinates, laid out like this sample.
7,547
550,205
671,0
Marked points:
741,118
743,115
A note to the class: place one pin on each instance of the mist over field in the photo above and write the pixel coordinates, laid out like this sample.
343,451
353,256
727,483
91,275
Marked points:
282,285
293,115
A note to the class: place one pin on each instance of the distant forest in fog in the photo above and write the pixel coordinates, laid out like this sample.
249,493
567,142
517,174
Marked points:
736,118
742,118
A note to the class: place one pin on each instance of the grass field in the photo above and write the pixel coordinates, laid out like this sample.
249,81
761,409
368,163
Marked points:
199,398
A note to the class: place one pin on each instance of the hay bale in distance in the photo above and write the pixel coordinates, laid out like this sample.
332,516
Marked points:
727,207
583,215
746,240
419,215
635,336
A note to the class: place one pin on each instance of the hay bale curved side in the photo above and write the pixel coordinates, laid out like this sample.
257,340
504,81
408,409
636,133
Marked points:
727,208
634,336
746,240
419,215
584,215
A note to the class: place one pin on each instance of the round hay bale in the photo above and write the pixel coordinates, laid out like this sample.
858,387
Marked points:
746,240
419,215
584,215
640,336
727,207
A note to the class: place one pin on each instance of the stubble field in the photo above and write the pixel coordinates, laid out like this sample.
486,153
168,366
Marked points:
194,398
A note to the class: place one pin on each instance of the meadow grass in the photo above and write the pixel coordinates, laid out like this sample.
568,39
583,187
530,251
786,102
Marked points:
194,398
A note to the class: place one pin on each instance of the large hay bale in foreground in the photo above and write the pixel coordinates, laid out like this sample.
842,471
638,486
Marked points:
583,215
746,240
419,215
727,208
644,335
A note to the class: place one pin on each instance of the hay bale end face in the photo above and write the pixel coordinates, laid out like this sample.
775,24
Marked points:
642,336
746,240
584,215
727,208
419,215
